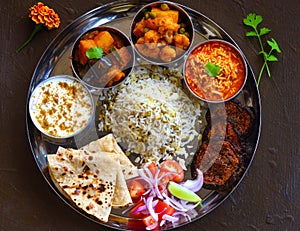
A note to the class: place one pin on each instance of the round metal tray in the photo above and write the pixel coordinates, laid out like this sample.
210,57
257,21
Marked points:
56,60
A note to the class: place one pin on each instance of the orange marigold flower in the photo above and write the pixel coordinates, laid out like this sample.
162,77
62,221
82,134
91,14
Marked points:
42,16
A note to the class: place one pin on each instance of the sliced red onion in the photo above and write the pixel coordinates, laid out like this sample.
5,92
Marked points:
165,174
144,208
147,192
170,218
139,209
183,214
192,213
150,208
194,185
174,203
142,174
149,181
147,166
148,172
189,206
156,183
162,223
182,208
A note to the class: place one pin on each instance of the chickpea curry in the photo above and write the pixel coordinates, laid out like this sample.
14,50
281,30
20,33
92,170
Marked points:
161,35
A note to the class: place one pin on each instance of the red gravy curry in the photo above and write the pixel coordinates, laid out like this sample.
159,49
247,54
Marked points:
229,80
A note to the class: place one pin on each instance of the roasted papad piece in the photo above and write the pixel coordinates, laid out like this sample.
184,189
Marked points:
109,144
86,179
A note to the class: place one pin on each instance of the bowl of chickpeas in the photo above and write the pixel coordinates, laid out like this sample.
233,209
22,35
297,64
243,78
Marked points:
162,32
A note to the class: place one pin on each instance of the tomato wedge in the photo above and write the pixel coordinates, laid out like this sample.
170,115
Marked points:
163,208
136,190
149,221
152,167
176,171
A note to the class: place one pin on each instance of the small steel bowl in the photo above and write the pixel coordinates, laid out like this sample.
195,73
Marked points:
61,107
202,76
157,44
103,73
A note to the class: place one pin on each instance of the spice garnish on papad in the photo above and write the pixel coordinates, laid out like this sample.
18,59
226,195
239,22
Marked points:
87,179
109,144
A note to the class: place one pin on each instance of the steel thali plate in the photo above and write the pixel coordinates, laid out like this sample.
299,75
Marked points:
56,60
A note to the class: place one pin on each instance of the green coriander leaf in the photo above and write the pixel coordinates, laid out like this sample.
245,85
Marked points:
94,52
272,58
212,69
253,20
251,33
273,44
264,31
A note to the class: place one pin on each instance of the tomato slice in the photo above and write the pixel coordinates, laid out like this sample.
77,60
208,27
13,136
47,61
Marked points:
174,167
148,221
136,190
163,208
152,167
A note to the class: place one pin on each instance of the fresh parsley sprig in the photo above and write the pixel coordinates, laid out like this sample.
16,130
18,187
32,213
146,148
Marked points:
253,21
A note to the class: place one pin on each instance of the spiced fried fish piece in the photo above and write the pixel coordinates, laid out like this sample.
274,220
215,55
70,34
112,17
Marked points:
240,117
218,160
232,111
222,130
220,156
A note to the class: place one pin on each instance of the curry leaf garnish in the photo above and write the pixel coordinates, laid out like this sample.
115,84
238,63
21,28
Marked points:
212,69
94,52
253,20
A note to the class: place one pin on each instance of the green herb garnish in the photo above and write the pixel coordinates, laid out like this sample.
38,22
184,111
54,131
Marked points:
94,52
212,69
253,21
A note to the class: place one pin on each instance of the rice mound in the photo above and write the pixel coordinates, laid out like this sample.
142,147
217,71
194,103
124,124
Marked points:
152,116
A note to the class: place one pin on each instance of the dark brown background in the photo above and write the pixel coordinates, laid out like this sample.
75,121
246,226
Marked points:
269,196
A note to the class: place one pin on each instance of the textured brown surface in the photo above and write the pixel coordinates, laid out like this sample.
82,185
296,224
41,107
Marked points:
269,196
